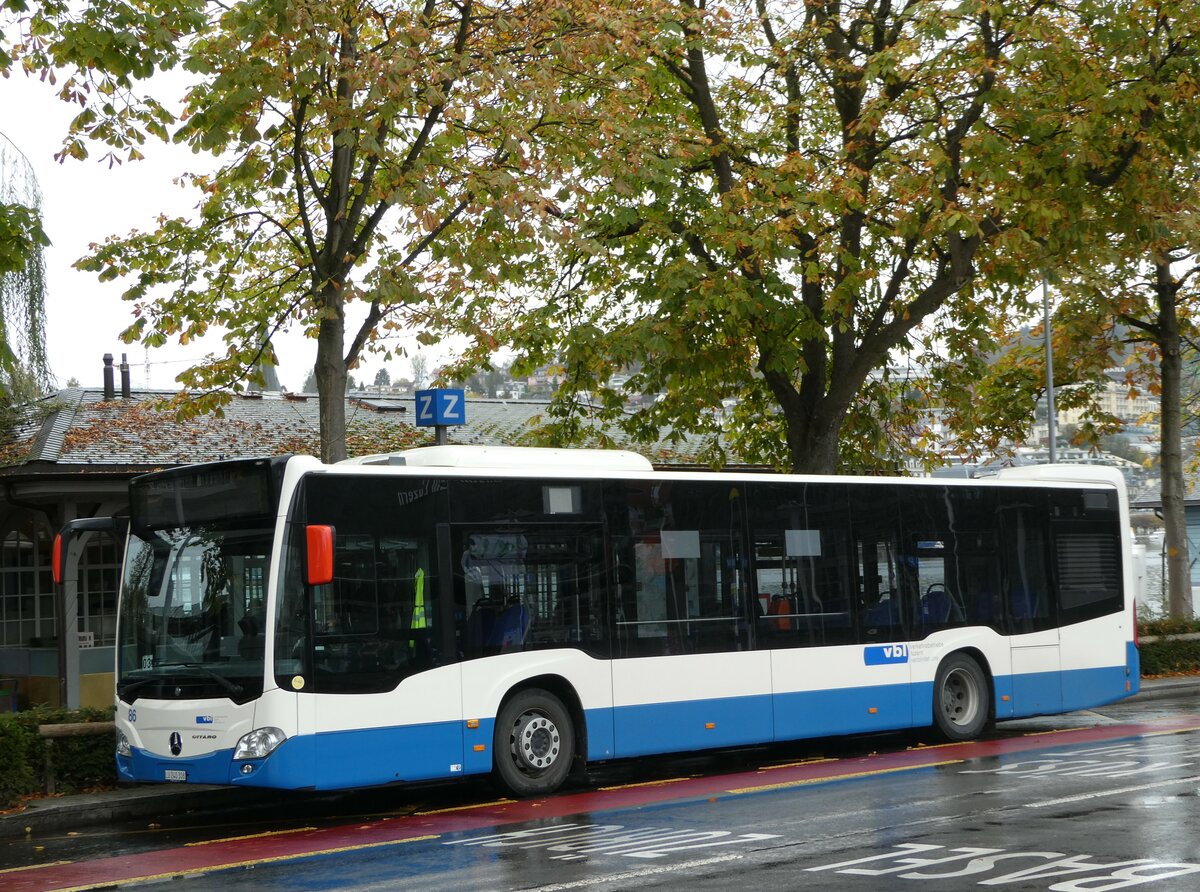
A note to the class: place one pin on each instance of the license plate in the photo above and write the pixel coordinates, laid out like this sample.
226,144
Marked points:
175,774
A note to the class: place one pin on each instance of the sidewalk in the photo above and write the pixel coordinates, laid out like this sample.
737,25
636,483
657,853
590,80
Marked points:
135,801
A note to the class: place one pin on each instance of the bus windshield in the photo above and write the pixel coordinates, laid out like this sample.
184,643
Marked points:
193,613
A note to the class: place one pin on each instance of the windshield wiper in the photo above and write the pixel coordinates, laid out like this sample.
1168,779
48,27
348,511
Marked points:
137,684
231,686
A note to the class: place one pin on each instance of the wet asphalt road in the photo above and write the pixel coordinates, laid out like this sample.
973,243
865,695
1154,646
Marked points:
1099,800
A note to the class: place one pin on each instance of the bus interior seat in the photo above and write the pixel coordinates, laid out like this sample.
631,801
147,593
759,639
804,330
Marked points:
935,605
510,628
885,611
492,626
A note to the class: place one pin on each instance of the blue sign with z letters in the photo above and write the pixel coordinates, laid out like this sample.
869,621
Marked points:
442,406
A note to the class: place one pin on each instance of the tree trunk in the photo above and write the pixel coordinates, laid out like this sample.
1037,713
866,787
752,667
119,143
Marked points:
814,446
331,377
1179,581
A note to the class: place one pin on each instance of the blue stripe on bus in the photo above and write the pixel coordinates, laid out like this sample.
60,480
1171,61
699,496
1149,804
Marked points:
669,727
375,756
389,755
1037,693
843,711
1086,688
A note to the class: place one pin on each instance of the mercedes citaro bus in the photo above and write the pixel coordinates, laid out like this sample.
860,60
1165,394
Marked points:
456,611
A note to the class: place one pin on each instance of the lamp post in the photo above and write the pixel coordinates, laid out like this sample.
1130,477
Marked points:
1051,419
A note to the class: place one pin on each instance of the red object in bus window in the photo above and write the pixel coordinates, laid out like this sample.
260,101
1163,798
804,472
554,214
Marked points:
56,559
781,606
320,554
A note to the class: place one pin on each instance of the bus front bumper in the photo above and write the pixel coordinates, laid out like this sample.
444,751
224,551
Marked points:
288,767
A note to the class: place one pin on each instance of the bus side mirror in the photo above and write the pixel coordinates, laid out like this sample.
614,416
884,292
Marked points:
58,559
319,568
58,556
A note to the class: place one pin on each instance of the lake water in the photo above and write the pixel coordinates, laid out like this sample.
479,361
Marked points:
1152,599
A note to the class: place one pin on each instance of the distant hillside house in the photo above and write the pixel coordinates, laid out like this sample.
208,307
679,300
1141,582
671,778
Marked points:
72,455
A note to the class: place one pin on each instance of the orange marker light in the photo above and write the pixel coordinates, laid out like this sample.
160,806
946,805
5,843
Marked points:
873,709
708,726
472,724
480,747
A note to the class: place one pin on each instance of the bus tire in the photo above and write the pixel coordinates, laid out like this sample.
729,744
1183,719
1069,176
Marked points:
962,703
535,743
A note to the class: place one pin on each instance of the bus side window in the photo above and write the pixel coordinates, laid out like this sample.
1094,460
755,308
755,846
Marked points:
802,566
1023,558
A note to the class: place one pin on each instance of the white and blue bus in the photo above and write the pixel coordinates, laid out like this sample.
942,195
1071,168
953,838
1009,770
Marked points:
457,611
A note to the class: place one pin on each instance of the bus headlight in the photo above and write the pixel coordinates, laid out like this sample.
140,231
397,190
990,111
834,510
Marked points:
259,743
123,747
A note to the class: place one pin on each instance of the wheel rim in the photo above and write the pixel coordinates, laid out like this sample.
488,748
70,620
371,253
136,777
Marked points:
960,698
536,742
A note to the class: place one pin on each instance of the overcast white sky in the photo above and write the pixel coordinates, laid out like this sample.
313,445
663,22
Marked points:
83,202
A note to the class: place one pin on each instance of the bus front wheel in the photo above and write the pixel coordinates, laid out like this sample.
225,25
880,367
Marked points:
961,701
535,743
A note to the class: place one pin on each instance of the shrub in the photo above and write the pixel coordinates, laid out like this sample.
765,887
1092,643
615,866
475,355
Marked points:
1168,626
17,776
1170,656
79,763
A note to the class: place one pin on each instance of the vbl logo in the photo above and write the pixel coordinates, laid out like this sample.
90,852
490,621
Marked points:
881,655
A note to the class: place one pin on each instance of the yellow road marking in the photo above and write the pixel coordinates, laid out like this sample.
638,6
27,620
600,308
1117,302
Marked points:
836,777
653,783
35,866
264,834
795,764
443,811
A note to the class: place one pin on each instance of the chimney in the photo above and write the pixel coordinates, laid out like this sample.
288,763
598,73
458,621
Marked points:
109,391
124,377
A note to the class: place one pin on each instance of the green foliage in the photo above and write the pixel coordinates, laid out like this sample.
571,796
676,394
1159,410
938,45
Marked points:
774,206
80,763
1170,657
21,234
1169,626
24,371
17,774
362,152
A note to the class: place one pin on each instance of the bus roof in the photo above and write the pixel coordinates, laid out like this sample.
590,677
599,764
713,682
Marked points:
510,457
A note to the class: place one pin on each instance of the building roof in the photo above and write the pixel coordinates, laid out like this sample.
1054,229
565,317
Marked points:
77,431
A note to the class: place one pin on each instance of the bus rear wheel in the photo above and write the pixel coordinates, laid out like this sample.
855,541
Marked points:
961,700
535,743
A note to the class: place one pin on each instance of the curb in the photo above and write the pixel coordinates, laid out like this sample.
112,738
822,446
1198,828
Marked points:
1161,689
125,803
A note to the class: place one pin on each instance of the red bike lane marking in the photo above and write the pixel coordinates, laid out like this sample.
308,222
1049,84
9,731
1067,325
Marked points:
422,826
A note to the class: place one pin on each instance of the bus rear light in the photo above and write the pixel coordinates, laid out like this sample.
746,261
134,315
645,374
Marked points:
320,554
259,743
